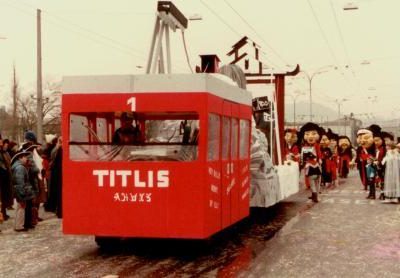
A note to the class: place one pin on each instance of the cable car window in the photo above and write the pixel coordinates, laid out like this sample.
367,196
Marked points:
78,128
244,139
225,137
213,137
234,138
101,129
170,136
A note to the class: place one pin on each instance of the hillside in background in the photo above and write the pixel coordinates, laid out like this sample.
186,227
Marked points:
321,112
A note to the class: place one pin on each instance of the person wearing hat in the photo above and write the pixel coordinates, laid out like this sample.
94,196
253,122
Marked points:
32,206
23,189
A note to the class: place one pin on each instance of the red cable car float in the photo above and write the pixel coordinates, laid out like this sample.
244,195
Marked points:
155,156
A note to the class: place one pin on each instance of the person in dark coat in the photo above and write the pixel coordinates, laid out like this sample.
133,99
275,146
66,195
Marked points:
5,179
54,203
51,200
23,189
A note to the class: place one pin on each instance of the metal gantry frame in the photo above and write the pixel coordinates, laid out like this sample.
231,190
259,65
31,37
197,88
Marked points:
168,17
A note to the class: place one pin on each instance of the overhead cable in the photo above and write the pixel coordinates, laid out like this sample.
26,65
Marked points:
255,31
326,40
228,25
343,43
86,33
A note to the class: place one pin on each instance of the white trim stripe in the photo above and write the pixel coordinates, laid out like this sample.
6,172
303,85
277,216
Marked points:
215,84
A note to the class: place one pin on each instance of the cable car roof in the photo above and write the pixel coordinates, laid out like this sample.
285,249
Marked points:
216,84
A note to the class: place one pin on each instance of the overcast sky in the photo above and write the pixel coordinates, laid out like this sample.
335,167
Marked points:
113,37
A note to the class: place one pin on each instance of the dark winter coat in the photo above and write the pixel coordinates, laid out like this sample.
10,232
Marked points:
22,187
6,191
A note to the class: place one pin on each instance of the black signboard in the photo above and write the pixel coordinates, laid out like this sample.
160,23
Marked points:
261,104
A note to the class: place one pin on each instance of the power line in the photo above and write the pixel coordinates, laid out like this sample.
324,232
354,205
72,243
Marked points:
326,40
87,33
344,44
84,28
221,19
322,32
255,31
122,49
229,26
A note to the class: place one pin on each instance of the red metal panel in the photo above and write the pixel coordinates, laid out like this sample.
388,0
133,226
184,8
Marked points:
234,165
212,188
225,167
213,198
244,169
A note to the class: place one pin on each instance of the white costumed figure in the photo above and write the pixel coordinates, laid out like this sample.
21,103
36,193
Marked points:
392,173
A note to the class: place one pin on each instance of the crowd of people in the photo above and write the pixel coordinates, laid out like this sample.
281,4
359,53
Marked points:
324,156
30,176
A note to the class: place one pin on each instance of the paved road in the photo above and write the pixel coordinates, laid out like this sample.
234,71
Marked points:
343,235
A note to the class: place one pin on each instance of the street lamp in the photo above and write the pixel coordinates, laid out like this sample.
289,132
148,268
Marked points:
195,17
310,79
297,93
350,6
340,102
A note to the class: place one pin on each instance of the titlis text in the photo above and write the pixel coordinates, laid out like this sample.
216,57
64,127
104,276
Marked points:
132,179
136,178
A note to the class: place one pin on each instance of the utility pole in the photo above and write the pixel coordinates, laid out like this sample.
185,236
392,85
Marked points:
339,122
39,108
14,98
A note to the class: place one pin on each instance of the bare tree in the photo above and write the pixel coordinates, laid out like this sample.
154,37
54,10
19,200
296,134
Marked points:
25,113
52,107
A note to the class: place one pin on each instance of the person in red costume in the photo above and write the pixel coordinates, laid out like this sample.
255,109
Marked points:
292,151
327,164
366,150
346,155
310,157
358,153
380,153
333,145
